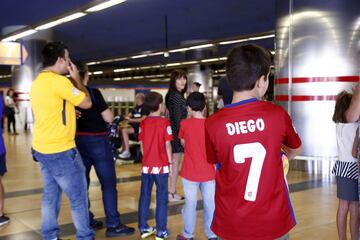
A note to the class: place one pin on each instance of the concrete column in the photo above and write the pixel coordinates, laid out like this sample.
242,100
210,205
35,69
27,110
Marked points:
317,56
23,75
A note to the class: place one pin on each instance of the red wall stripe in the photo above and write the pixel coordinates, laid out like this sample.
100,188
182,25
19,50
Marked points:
282,98
318,79
304,98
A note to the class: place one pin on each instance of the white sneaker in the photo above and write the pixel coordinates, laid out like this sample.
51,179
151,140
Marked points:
124,155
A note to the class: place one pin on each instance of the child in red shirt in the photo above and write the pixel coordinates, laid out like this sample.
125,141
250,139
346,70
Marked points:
245,137
155,136
196,172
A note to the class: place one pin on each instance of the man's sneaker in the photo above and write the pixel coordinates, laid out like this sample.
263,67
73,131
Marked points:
121,230
181,237
96,224
162,235
174,197
4,220
124,155
147,232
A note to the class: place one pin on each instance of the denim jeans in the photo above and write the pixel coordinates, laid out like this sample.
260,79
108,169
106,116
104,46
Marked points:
207,190
64,171
96,151
147,182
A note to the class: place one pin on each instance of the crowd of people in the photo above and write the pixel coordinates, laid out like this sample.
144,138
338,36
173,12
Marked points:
234,156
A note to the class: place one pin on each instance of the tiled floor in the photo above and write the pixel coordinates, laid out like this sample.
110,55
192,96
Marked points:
313,197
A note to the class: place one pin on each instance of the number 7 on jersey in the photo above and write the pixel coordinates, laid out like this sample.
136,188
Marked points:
257,152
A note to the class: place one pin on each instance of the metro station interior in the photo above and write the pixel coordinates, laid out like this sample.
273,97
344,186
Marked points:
132,46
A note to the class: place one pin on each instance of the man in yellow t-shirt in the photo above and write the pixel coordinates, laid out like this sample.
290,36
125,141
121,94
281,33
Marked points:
53,98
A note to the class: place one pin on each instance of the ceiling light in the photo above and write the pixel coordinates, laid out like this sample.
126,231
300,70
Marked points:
61,20
156,53
98,72
122,79
123,70
202,46
219,75
104,5
233,41
210,60
139,56
179,50
190,62
5,76
262,37
145,67
172,64
92,63
19,35
107,61
120,59
154,80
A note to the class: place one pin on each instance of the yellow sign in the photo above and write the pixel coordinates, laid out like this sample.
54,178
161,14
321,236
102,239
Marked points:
10,53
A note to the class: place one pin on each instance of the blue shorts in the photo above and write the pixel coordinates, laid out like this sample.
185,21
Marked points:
3,168
347,189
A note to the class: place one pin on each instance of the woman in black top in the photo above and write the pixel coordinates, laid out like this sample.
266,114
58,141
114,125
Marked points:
176,105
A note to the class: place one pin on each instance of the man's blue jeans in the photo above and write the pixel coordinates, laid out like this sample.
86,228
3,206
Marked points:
64,171
96,151
207,190
147,182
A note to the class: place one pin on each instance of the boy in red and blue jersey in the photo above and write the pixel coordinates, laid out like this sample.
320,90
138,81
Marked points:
245,137
155,136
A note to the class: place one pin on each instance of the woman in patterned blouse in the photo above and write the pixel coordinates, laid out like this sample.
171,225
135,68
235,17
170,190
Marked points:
176,106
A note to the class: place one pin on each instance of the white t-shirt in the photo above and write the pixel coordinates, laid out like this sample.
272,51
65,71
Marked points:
345,134
9,101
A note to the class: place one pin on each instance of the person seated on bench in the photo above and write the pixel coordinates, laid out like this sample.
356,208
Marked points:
134,118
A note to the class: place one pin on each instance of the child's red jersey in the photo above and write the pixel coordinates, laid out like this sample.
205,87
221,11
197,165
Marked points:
252,199
153,133
195,166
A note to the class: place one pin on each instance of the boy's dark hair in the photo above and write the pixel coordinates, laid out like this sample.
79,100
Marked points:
196,101
197,84
51,52
153,101
343,100
82,69
245,65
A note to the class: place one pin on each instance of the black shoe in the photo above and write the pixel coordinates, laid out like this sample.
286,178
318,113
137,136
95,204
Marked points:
96,224
4,220
121,230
